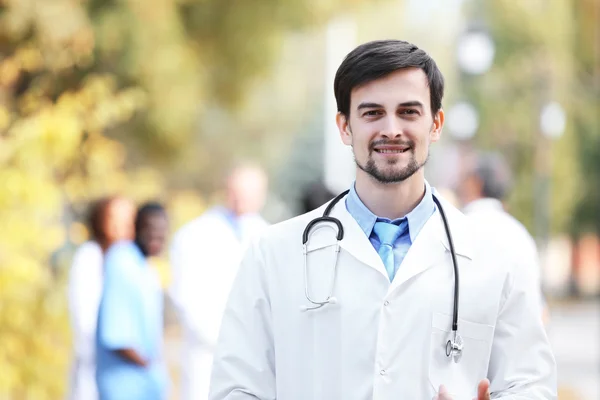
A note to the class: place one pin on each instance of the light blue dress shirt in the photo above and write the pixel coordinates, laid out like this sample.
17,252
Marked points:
130,316
416,220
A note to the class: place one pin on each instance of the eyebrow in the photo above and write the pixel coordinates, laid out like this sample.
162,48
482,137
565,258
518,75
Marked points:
413,103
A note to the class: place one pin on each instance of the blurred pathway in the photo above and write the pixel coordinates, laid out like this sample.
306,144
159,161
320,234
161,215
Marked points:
574,331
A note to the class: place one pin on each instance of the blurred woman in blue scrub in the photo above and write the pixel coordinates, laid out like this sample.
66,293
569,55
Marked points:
129,336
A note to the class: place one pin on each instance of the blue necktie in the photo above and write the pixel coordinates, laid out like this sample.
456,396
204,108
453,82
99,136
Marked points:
388,234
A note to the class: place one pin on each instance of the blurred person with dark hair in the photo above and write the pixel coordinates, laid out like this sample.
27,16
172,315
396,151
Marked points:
205,254
129,336
485,184
110,220
314,196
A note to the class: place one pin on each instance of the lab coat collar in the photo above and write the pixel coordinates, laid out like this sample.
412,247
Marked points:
459,228
430,246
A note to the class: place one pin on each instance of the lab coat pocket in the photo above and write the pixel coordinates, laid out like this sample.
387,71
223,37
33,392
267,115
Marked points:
460,378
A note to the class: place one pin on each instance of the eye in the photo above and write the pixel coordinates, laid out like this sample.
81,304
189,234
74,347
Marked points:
372,113
409,111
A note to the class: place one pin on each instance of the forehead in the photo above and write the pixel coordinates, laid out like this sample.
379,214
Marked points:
120,207
407,84
157,220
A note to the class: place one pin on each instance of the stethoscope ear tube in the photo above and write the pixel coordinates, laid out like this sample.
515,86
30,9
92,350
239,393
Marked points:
326,218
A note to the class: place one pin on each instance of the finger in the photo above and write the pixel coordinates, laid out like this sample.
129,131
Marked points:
443,390
483,390
443,393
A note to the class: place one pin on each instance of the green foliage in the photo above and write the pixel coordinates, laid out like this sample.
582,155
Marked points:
195,55
586,116
82,82
534,64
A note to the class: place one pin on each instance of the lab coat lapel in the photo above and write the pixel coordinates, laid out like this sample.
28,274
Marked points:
355,241
431,246
427,251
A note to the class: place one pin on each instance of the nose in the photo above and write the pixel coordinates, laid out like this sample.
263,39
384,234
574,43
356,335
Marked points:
392,127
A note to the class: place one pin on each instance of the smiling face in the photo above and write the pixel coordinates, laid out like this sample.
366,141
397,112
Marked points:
390,125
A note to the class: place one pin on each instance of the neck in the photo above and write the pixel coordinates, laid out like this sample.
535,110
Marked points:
470,198
104,245
390,200
142,248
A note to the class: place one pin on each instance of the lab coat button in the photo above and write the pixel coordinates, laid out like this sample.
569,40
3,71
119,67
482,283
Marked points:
386,303
382,372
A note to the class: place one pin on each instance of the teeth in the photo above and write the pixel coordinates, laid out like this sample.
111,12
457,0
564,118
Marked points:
386,151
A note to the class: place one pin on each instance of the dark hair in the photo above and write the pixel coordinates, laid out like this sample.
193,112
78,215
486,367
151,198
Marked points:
96,218
493,172
314,196
374,60
146,210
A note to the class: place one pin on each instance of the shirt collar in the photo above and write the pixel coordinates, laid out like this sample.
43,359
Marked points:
366,219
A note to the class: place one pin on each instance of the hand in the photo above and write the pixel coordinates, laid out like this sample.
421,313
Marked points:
483,392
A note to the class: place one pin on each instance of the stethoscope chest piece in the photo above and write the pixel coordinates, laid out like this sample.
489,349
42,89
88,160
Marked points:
454,347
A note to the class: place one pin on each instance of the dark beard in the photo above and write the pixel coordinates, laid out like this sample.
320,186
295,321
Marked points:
394,176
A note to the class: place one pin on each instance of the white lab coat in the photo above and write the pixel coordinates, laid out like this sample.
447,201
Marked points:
381,341
489,218
205,256
84,293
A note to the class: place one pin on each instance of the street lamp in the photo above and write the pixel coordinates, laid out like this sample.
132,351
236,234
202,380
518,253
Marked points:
474,55
462,120
552,123
475,51
553,120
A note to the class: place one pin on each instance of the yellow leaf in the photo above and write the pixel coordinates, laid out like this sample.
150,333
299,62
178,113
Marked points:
4,118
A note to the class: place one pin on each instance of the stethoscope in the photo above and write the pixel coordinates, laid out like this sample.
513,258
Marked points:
454,346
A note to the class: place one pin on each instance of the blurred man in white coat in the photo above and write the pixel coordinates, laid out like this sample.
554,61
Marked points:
205,255
486,182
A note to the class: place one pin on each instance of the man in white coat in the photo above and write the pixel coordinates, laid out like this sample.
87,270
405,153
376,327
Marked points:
378,325
205,255
485,183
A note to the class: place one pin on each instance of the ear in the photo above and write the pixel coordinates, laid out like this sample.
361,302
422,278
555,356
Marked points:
344,128
438,124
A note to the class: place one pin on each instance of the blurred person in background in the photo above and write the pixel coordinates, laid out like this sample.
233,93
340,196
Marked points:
110,220
314,196
205,254
485,184
129,336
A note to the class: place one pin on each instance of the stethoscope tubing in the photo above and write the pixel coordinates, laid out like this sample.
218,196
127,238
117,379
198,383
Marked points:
452,345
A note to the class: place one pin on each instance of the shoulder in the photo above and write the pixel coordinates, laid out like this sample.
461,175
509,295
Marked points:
88,250
122,255
459,225
286,233
503,229
87,261
199,225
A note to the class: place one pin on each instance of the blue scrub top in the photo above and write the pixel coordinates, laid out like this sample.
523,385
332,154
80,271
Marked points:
130,316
